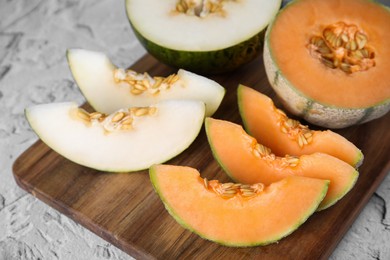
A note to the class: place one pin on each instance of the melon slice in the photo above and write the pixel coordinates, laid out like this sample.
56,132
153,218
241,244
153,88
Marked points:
127,140
108,88
205,36
272,128
234,214
247,161
331,66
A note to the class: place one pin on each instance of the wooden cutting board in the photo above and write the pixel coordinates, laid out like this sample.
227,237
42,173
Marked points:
124,209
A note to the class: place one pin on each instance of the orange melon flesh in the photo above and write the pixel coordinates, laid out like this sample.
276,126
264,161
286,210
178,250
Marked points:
236,221
233,148
261,120
332,86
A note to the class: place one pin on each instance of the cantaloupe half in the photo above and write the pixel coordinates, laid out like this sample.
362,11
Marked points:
234,214
329,61
127,140
247,161
108,88
272,128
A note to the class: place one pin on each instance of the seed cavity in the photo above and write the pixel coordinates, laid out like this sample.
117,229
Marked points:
140,83
230,190
201,8
290,161
263,152
343,46
121,120
294,130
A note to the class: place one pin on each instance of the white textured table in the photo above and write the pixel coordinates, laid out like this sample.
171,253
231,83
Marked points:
34,36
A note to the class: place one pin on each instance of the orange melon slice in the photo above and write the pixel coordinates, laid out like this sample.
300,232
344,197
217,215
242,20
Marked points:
272,128
234,214
329,61
247,161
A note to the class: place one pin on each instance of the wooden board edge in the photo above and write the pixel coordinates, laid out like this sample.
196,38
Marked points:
356,212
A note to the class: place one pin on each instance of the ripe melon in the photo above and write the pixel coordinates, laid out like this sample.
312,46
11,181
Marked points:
127,140
272,128
329,61
235,214
202,36
247,161
108,88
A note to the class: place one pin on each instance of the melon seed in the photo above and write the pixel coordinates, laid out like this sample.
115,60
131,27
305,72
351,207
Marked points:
139,83
126,127
342,46
141,111
127,120
81,113
206,183
117,117
95,115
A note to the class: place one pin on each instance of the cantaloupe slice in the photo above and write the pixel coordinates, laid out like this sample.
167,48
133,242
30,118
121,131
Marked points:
234,214
108,88
272,128
247,161
329,61
127,140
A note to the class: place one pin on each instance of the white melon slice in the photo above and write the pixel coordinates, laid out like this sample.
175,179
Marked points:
108,88
127,140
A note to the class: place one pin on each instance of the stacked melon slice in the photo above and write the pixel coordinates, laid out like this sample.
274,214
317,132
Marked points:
287,148
273,194
139,120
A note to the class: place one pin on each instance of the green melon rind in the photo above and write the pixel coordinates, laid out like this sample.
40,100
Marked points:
359,159
241,109
213,150
347,189
171,211
301,105
206,62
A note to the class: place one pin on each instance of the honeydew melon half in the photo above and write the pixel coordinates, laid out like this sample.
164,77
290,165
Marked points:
329,61
108,88
236,215
202,36
127,140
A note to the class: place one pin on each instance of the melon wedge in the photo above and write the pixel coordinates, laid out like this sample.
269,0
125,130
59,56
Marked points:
247,161
272,128
127,140
108,88
205,36
241,219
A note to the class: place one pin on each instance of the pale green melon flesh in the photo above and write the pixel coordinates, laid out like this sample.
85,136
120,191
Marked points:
210,44
94,74
154,138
